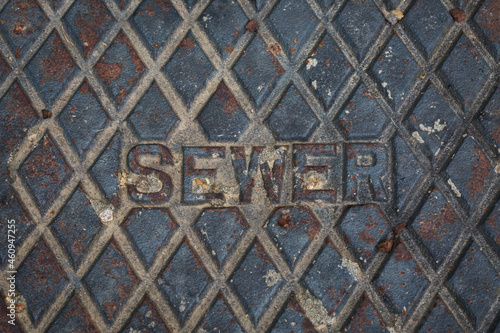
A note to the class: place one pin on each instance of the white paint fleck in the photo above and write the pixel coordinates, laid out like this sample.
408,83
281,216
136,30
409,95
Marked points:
311,62
438,127
315,84
384,84
182,306
352,267
417,137
106,215
454,188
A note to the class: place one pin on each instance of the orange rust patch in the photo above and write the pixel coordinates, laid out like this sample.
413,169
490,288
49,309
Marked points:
139,66
361,320
284,220
366,237
261,253
401,252
20,112
57,65
85,88
225,95
187,43
276,48
277,67
489,18
89,25
41,164
108,72
480,172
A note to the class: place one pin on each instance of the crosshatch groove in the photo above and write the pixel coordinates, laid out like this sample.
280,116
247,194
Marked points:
439,276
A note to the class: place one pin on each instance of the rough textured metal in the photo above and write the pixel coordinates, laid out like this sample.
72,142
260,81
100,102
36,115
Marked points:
251,166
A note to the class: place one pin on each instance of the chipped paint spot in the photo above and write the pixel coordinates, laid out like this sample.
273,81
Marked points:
272,277
103,210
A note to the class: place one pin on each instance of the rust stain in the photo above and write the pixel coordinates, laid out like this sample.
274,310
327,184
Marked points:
23,26
139,66
44,163
433,227
386,246
294,305
313,229
492,221
366,237
457,14
399,228
489,18
58,64
275,48
77,311
284,220
361,320
20,112
307,326
225,95
277,67
346,126
480,172
366,93
252,25
401,253
261,252
187,43
109,72
90,23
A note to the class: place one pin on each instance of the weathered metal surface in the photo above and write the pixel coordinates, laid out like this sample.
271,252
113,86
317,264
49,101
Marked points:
251,166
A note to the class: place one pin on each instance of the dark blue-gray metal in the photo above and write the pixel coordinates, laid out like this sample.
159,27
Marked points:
250,165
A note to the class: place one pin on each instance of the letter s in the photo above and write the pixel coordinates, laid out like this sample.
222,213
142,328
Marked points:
147,183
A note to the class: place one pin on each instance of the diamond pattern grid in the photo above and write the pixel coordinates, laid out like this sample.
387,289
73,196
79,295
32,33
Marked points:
47,67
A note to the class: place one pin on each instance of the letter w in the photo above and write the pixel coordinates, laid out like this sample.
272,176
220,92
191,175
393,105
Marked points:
270,161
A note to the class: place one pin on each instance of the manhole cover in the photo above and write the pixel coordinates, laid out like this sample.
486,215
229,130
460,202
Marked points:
249,166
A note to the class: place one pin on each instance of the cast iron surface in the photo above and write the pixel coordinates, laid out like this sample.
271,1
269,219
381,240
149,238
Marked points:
251,166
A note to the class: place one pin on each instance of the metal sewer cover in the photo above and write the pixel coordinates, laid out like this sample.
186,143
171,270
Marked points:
249,166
